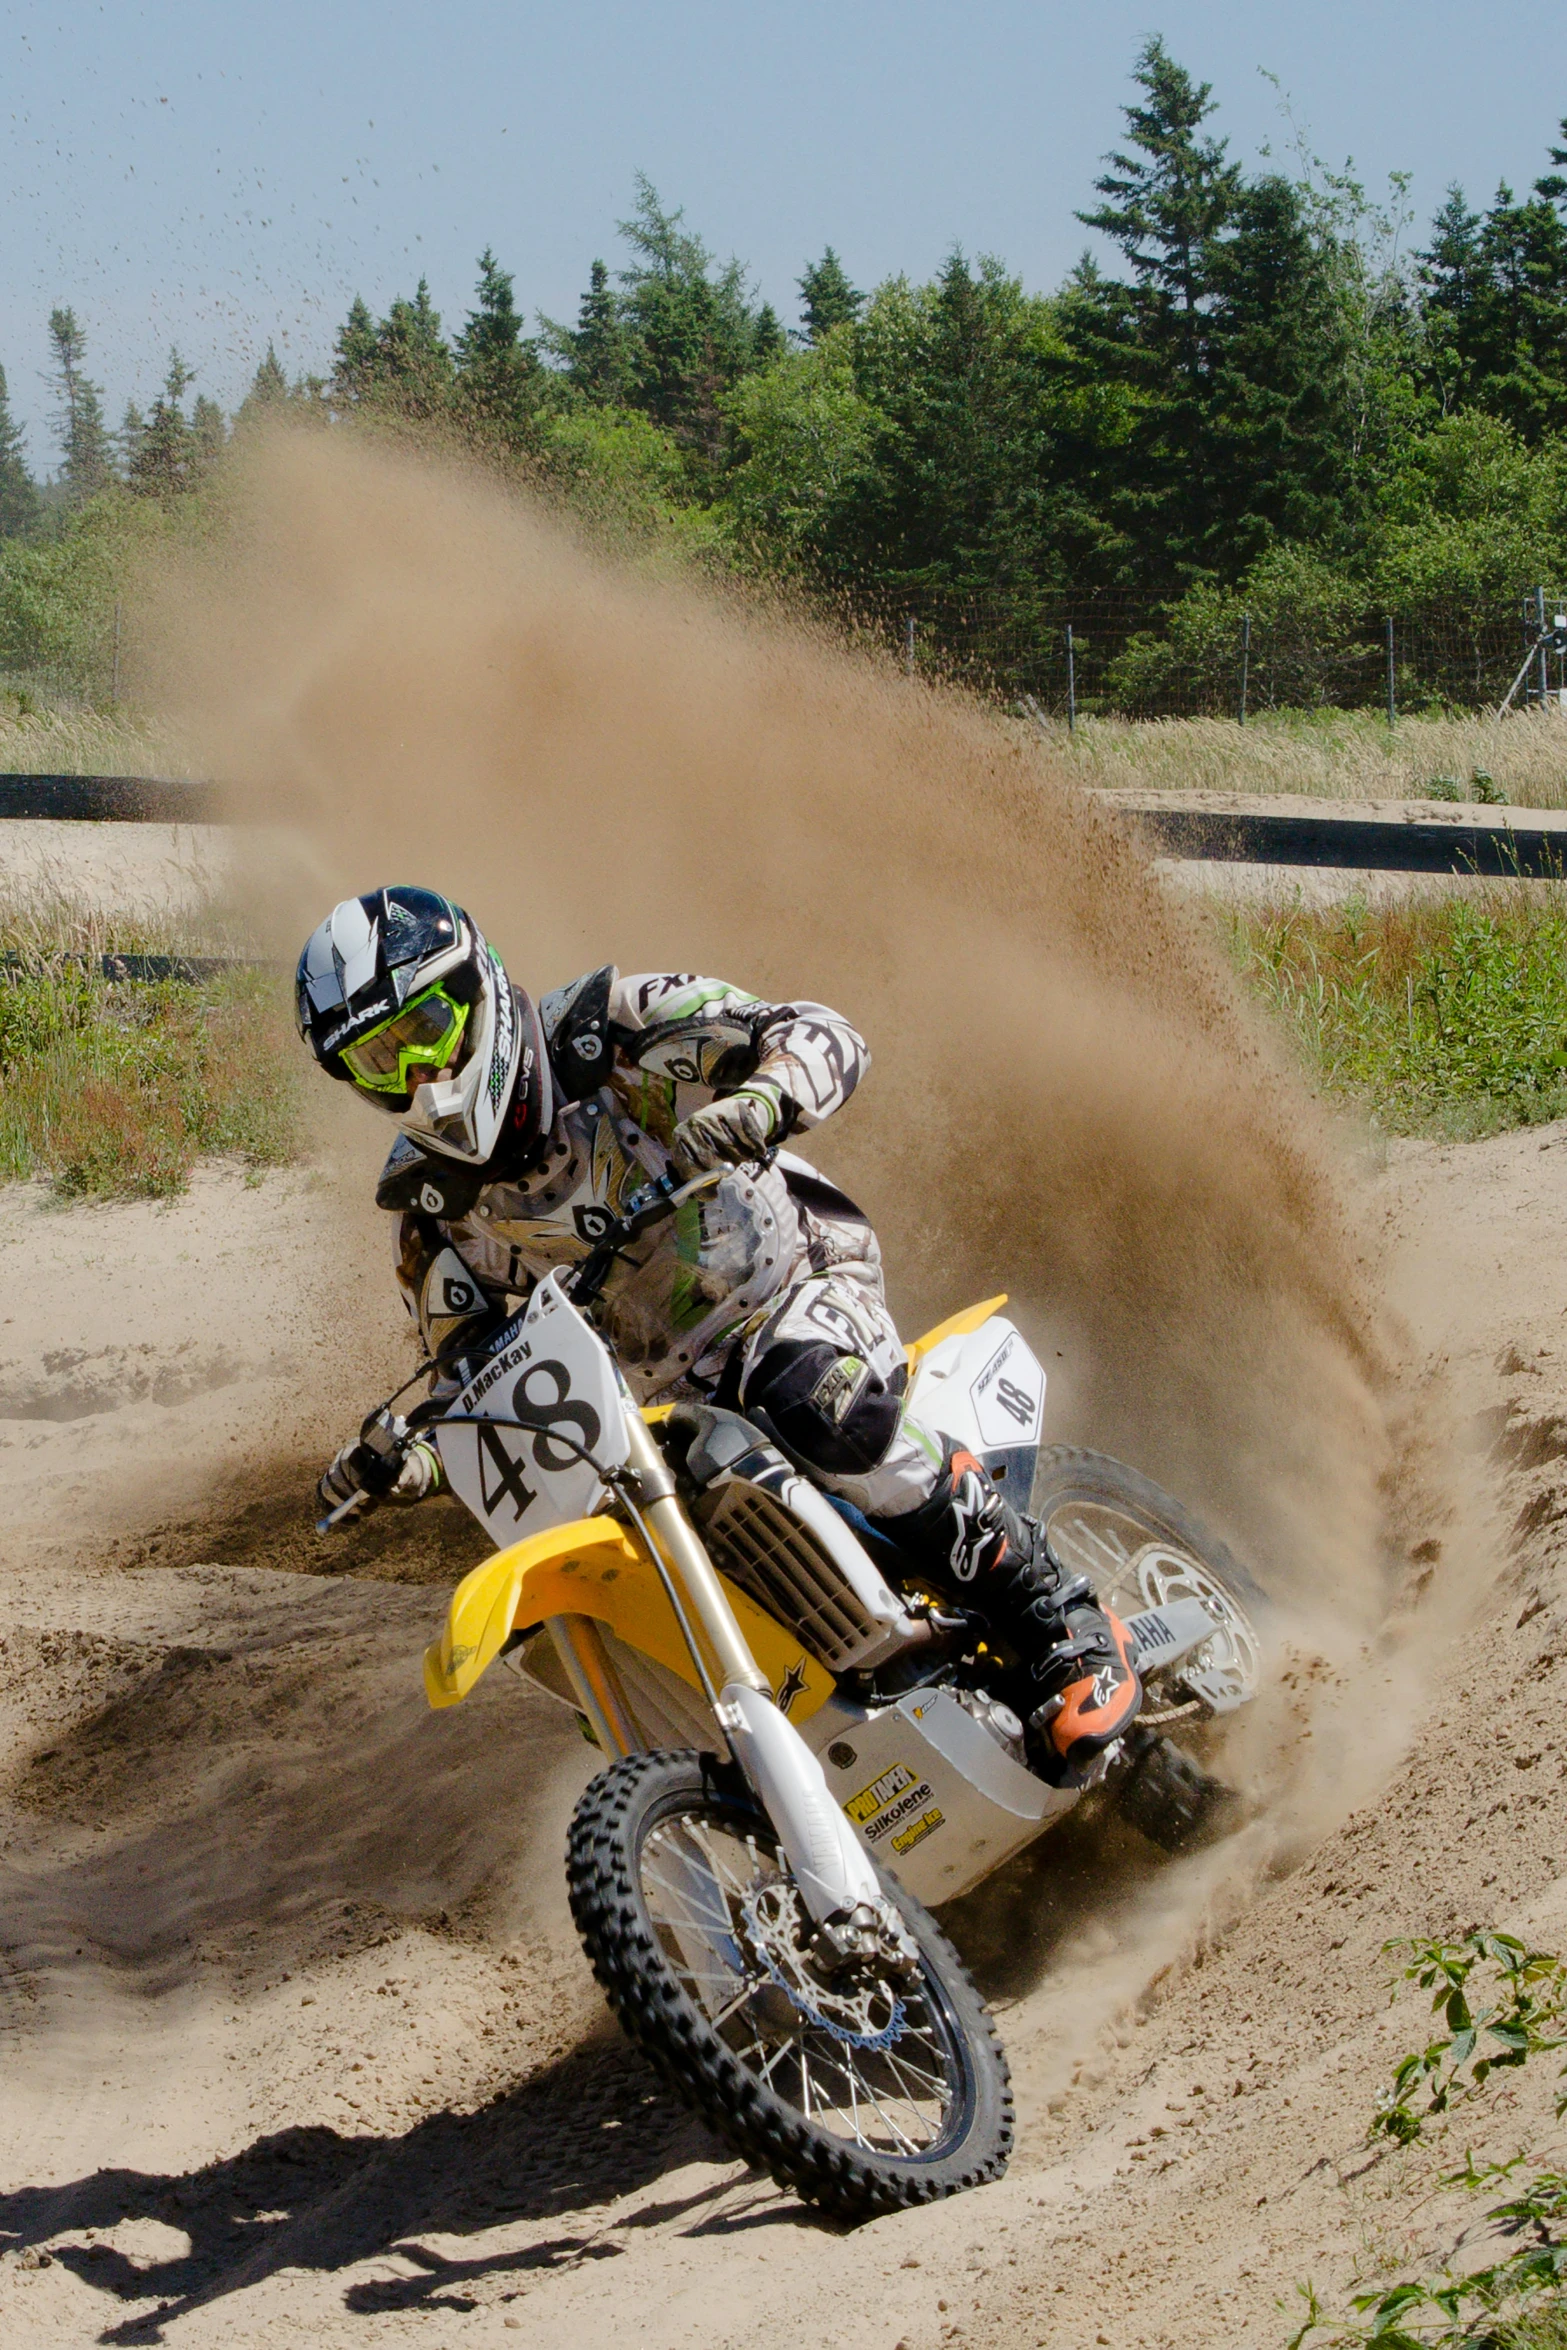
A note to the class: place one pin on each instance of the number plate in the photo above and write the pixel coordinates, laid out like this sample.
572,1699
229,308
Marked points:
557,1369
1008,1397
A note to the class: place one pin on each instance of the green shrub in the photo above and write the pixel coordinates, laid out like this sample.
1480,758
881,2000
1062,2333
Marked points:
114,1089
1447,1016
1518,2302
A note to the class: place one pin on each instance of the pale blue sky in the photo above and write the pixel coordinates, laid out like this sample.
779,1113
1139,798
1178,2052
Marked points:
212,174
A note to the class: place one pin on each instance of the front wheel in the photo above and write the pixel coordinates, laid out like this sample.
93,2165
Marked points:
863,2093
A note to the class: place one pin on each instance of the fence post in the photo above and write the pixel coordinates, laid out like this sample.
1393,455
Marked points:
1539,622
1245,660
1071,682
1392,687
114,680
908,645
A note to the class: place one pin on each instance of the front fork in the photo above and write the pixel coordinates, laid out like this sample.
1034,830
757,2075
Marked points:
834,1872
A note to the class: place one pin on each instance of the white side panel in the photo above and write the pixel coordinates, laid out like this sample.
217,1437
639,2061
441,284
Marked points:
985,1389
940,1803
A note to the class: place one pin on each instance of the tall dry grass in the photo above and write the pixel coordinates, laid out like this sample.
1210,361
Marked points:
1330,754
85,742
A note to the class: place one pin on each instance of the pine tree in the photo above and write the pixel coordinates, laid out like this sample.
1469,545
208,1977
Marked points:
1495,309
690,333
1168,204
1279,437
208,432
413,367
597,350
768,340
128,440
497,369
1165,205
1453,277
87,465
826,297
399,366
354,362
19,501
269,386
164,462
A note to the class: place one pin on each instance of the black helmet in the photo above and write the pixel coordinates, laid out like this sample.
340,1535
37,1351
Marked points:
400,996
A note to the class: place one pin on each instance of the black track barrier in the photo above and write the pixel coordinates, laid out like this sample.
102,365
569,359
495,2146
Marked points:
107,799
1503,850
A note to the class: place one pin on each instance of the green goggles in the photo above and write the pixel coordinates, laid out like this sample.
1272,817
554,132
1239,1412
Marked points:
424,1035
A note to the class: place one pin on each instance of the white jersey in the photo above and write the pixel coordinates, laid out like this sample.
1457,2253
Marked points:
665,1043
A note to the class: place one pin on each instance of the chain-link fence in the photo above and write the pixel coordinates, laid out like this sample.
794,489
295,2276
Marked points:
1211,656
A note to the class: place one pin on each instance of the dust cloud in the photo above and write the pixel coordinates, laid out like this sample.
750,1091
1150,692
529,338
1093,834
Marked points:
1068,1100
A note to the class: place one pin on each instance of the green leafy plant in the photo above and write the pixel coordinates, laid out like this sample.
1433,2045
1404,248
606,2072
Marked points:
1445,1015
1527,2017
1517,2302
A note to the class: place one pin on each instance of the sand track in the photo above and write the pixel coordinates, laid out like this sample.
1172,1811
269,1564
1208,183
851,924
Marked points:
298,2043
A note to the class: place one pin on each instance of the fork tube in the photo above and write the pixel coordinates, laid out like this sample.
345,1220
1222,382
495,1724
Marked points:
678,1541
580,1648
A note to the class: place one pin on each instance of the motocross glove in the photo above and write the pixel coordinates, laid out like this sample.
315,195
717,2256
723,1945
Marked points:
730,1131
356,1470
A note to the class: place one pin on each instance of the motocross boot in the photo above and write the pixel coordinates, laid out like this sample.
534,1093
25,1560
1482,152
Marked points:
1077,1655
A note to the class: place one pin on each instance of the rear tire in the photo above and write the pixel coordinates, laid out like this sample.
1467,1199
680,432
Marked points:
1097,1485
862,2100
1141,1547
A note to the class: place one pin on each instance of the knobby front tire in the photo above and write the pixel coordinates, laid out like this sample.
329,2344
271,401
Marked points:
862,2096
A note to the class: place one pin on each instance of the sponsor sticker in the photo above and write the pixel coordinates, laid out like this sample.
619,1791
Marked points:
898,1814
868,1802
923,1827
897,1805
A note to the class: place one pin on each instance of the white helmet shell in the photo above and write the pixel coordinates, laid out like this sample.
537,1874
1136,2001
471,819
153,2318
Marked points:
368,957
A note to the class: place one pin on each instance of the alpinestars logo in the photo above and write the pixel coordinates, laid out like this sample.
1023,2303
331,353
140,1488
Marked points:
791,1686
1104,1686
970,1506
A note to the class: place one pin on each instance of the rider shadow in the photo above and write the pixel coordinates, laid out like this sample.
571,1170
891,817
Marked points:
586,2132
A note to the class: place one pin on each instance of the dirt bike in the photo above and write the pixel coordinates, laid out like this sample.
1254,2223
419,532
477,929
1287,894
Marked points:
802,1753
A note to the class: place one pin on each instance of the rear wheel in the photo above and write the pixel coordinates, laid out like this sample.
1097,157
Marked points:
863,2092
1141,1548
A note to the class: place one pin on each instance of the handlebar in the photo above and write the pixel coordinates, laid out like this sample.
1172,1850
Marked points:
660,1197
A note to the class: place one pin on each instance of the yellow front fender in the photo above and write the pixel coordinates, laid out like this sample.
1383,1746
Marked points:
593,1568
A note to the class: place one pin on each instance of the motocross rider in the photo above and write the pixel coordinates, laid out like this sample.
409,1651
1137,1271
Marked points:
527,1127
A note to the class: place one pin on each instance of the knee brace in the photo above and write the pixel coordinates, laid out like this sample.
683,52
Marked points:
832,1411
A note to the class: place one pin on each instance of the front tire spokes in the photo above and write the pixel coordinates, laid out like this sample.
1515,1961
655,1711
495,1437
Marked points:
869,2064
